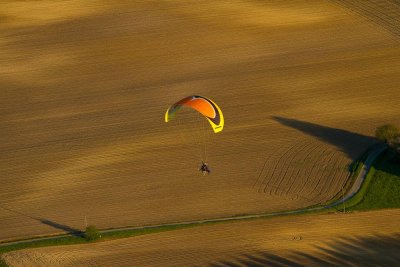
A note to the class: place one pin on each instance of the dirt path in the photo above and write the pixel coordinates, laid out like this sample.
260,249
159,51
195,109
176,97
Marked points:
378,150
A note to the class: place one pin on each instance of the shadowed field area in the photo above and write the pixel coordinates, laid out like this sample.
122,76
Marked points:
84,88
357,239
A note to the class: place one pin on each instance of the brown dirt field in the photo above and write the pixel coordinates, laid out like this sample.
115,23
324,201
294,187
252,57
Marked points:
358,239
84,88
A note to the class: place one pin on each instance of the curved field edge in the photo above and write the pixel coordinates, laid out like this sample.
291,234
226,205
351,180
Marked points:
112,234
355,170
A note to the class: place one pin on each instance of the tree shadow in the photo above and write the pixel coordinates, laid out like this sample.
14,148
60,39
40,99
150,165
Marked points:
389,162
378,250
65,228
348,142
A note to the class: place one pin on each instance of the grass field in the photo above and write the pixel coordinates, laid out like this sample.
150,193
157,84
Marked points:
312,240
84,88
382,185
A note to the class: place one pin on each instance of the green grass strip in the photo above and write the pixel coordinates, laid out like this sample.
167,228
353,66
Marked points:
66,240
124,233
2,263
72,240
358,198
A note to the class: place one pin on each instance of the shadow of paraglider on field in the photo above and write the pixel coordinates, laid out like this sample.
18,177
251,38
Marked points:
377,250
65,228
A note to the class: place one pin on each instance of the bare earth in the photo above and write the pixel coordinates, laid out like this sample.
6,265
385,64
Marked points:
311,240
84,88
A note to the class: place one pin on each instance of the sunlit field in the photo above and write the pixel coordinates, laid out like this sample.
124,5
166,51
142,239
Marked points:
307,240
84,86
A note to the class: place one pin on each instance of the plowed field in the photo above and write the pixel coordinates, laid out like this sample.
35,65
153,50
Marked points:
84,88
358,239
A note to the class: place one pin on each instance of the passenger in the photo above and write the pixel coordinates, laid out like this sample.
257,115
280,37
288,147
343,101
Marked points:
204,168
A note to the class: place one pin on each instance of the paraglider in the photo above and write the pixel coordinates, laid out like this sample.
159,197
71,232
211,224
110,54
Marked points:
208,109
204,168
205,106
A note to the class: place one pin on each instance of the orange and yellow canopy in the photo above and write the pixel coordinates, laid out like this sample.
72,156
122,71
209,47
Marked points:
205,106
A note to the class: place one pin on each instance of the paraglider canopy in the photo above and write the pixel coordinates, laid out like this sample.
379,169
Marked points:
205,106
